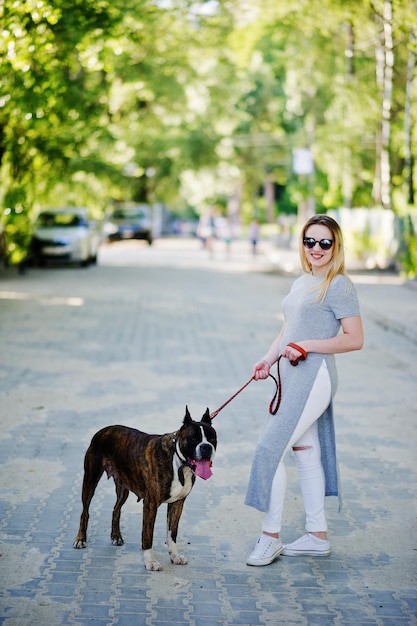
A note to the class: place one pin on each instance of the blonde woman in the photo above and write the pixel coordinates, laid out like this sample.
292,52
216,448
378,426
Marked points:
321,319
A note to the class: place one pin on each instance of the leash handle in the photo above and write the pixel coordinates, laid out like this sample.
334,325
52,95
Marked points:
302,356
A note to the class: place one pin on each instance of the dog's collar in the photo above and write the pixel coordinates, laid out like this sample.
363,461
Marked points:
184,462
177,449
187,463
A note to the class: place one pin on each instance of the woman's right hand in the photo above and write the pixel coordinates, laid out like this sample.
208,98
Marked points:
260,370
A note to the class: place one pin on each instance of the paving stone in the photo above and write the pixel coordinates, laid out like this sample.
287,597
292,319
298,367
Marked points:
150,337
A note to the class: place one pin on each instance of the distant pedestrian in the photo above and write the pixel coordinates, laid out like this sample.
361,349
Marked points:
321,319
254,235
224,231
206,231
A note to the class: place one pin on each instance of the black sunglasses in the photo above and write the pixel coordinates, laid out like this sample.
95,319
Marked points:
325,244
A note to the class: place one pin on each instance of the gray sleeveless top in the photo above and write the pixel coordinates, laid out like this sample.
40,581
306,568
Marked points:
306,318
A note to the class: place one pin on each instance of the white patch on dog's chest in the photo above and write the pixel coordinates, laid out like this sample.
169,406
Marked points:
178,491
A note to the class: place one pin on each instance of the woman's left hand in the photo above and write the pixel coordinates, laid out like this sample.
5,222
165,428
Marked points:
291,353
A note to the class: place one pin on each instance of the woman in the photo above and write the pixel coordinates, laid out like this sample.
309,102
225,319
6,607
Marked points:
322,319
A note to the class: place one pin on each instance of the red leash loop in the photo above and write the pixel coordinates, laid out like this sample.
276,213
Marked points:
273,410
302,356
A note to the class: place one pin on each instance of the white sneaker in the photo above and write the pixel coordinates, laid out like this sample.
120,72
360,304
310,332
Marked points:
266,550
307,545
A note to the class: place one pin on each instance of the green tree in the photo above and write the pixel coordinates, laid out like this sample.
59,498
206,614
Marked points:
193,103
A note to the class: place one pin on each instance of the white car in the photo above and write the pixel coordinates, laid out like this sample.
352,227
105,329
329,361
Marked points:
65,235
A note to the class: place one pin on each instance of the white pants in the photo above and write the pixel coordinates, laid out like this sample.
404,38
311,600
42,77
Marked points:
308,460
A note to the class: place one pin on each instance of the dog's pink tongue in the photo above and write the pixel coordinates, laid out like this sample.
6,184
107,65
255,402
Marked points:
203,469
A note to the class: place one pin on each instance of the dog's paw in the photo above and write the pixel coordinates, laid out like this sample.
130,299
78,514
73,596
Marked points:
79,543
178,559
154,566
151,563
117,541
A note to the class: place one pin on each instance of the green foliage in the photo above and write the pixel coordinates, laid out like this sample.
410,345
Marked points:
408,250
16,226
187,102
409,257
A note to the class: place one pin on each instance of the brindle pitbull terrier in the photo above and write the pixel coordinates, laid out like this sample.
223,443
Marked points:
157,468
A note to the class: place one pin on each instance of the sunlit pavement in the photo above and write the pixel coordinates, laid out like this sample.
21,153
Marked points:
132,341
190,253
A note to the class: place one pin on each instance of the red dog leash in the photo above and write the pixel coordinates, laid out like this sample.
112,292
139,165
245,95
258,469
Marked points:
278,386
213,415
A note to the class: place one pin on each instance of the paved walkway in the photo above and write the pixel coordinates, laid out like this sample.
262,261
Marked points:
132,341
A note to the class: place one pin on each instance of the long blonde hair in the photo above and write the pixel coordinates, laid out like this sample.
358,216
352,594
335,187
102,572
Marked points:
337,264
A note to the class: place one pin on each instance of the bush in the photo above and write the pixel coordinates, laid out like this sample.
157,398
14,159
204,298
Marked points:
408,249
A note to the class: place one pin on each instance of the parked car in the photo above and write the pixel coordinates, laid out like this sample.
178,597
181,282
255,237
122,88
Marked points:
65,235
131,221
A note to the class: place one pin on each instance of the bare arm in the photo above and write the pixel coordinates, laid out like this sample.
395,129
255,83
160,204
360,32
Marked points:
350,339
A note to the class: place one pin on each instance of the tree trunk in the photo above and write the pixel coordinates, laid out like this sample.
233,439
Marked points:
269,198
384,73
408,161
347,175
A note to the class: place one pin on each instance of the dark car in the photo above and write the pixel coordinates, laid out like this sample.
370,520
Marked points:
130,222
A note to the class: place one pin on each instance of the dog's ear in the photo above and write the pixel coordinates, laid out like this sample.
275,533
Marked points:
187,419
206,417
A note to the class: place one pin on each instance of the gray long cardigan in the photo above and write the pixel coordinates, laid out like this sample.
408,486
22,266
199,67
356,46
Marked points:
306,318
